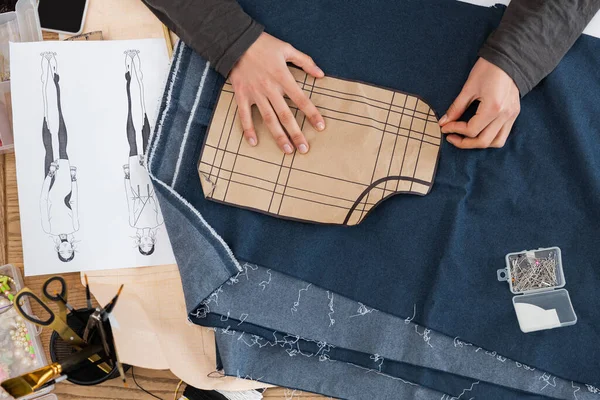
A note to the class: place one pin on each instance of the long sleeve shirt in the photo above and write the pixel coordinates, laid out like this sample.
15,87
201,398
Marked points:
530,41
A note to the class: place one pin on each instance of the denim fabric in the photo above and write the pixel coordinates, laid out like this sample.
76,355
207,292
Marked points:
260,303
483,205
542,189
273,364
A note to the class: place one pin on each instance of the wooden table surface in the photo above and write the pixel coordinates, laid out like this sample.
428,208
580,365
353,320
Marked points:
160,383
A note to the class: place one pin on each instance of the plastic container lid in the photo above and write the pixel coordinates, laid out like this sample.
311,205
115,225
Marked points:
546,306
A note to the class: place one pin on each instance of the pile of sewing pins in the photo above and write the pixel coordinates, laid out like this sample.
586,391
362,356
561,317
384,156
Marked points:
531,273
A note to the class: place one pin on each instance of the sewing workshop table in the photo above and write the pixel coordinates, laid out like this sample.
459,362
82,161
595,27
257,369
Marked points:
162,383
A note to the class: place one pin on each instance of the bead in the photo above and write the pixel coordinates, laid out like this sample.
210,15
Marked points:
28,336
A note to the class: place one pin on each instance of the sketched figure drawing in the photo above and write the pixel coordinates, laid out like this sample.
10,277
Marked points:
58,200
144,211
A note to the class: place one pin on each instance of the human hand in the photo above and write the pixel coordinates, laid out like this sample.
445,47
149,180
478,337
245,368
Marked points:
126,170
498,109
261,77
73,173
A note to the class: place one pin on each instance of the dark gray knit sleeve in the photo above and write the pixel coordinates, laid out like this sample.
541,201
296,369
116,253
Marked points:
534,35
218,30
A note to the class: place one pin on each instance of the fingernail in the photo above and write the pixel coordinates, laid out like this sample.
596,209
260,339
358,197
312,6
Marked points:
252,141
320,71
450,139
287,148
444,119
320,126
303,148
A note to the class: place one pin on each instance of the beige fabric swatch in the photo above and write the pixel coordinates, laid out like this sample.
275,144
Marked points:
377,143
151,329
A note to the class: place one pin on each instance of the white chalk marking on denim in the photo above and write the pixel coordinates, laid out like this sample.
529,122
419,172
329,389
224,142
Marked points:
264,284
460,343
297,302
575,387
408,320
592,389
200,312
239,377
467,390
214,296
525,367
243,318
424,335
378,360
228,331
226,317
362,310
546,378
368,370
330,313
251,266
188,125
243,271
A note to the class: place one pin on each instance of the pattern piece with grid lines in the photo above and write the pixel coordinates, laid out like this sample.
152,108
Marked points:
378,142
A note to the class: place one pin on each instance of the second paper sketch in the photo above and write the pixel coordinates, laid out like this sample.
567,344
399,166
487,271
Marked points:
144,212
59,197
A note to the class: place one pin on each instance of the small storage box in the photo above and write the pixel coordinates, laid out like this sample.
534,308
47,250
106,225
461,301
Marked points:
7,347
537,279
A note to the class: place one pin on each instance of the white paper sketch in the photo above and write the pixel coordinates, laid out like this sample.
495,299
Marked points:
144,211
91,112
58,200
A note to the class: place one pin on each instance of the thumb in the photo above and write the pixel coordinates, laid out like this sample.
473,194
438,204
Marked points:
457,108
305,62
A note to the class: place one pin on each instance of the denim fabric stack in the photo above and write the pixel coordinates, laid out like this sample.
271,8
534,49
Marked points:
353,312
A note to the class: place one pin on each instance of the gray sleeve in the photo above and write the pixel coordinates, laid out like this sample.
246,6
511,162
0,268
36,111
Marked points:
218,30
534,35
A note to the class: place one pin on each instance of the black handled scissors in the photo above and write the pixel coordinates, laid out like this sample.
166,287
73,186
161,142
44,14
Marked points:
59,296
54,322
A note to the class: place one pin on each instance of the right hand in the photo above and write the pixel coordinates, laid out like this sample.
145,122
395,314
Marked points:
261,77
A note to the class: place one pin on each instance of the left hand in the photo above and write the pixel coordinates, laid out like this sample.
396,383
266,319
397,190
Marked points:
498,109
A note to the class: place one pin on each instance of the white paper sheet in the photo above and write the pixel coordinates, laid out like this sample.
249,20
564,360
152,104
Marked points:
110,221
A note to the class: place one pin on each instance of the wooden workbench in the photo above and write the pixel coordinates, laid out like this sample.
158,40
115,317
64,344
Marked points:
160,383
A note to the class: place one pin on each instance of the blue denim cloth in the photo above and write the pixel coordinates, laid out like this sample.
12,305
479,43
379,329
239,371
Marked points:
383,343
483,205
353,333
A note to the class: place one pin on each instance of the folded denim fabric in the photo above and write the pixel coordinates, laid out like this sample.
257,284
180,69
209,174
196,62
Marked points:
483,205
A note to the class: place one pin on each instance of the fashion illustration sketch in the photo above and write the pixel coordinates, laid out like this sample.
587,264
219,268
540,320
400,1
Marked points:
58,201
144,211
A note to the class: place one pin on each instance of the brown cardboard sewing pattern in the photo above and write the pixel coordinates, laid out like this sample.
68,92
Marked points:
378,143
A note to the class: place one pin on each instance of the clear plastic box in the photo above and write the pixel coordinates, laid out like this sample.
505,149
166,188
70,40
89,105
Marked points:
40,359
546,306
21,25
